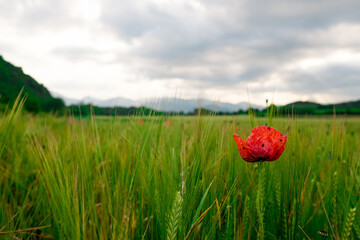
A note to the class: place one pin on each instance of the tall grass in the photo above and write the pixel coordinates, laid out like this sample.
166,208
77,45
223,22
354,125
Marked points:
113,178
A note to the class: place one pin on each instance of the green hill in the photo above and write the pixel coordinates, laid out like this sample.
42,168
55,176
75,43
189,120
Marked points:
354,104
303,104
13,79
311,108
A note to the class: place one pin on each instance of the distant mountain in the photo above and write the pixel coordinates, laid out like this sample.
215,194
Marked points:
13,79
111,102
189,105
163,104
67,101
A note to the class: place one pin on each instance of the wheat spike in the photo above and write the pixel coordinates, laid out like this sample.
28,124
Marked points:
278,193
174,218
246,217
357,228
293,218
229,223
284,223
124,227
334,187
349,223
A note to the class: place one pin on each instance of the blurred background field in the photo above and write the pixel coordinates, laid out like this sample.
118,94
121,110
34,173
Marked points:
174,177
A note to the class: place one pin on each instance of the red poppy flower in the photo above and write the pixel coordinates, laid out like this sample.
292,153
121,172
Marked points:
263,144
141,122
168,122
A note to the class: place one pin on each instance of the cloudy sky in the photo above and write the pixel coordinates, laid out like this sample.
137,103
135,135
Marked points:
215,49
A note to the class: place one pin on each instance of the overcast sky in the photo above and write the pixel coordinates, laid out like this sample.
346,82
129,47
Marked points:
215,49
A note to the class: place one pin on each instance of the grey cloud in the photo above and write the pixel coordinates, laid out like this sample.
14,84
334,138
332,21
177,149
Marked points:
134,18
305,15
73,53
172,40
261,36
215,43
38,16
6,47
337,79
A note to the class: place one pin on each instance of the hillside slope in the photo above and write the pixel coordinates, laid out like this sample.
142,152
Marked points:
13,79
299,107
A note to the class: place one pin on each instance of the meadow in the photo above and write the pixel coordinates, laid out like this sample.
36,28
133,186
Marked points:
175,177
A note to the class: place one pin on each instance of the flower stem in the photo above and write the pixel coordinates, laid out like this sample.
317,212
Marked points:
260,202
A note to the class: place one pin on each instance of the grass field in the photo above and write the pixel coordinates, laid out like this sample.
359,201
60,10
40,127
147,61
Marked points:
114,178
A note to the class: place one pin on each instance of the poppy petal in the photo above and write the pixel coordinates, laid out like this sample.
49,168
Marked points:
259,142
243,149
278,148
